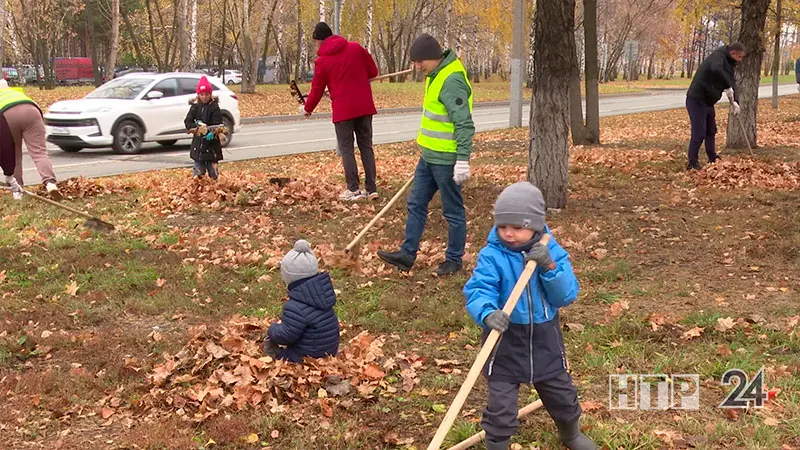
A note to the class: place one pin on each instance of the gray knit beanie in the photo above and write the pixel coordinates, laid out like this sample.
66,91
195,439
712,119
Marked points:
299,263
425,47
522,205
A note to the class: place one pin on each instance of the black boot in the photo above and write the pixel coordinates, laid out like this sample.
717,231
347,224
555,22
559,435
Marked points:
571,436
399,259
497,445
447,267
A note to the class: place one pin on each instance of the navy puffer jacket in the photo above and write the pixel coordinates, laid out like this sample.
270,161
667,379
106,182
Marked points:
309,326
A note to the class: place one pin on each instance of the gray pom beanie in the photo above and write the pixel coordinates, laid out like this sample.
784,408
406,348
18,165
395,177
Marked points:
522,205
299,263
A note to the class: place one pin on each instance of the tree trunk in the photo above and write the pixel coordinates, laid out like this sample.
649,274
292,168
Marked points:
592,71
322,10
193,35
748,75
134,36
3,34
183,34
111,62
98,79
776,63
370,9
549,123
300,39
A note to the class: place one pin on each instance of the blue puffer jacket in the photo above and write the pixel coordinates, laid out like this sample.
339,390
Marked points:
309,326
532,348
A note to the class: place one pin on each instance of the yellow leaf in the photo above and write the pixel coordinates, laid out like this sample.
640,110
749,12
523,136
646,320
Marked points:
251,438
72,288
322,393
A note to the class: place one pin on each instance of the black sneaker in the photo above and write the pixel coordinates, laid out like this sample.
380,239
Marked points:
693,166
716,158
399,259
447,268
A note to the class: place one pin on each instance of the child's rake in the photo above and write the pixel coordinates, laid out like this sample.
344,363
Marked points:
483,356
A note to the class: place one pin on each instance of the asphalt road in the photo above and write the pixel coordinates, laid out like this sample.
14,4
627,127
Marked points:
301,136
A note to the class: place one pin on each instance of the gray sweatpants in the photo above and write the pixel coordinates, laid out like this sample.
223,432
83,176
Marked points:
559,397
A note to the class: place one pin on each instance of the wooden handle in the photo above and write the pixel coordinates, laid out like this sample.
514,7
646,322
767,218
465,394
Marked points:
381,77
379,215
54,203
477,437
483,356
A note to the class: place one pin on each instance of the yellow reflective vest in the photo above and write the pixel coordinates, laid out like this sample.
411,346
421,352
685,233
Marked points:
436,131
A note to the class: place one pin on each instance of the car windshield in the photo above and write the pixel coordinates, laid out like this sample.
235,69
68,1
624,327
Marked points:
123,88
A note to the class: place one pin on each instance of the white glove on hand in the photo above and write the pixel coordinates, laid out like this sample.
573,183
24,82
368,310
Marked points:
16,189
798,87
461,172
729,93
735,108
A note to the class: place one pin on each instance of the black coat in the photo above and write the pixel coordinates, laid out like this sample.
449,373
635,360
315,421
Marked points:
210,114
309,326
715,74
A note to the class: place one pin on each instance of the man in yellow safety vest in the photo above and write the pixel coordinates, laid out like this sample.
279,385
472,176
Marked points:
445,136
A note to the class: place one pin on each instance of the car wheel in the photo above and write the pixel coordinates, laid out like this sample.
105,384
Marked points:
168,143
225,141
128,137
230,82
70,149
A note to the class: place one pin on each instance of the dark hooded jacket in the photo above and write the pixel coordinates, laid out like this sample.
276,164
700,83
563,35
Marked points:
309,326
210,114
715,74
345,68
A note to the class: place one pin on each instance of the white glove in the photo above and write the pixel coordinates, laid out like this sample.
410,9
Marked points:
461,172
798,87
735,108
729,93
15,187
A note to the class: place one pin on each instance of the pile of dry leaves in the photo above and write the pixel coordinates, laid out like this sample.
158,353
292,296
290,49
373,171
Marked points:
746,172
615,158
225,370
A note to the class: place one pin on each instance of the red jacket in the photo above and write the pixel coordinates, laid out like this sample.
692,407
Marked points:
345,68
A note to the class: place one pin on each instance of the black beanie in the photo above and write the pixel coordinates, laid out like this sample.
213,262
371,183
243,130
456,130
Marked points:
322,31
425,47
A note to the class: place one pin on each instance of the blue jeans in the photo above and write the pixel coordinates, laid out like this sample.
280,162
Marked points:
429,178
201,167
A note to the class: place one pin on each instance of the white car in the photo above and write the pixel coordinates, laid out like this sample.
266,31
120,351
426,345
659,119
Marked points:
133,109
232,76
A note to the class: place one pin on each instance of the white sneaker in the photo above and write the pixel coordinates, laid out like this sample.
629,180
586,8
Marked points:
372,196
350,196
17,195
52,191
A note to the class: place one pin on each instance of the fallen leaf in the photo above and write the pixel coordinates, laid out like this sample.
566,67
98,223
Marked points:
693,333
618,307
275,434
72,288
656,320
732,414
576,327
161,282
724,324
105,413
251,438
771,422
724,350
216,351
591,405
46,334
373,371
599,254
667,436
439,408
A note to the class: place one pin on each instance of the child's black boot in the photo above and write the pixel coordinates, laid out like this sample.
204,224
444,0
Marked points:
496,445
571,436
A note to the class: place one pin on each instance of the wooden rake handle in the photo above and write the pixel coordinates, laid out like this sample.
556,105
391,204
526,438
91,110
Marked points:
379,215
381,77
477,437
483,356
59,205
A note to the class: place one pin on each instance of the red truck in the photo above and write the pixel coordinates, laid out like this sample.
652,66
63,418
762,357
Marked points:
74,70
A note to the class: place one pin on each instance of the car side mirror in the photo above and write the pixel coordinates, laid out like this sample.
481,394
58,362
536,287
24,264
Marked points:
152,95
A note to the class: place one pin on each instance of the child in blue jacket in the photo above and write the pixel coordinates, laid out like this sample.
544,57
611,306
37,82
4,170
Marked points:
308,326
531,348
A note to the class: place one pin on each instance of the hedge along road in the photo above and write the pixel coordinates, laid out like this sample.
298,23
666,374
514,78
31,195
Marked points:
284,136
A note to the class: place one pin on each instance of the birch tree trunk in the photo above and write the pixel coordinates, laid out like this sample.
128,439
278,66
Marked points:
370,8
3,33
549,123
748,73
193,35
322,10
111,62
776,62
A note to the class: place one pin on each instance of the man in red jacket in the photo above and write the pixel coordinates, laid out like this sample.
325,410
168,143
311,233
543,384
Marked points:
345,68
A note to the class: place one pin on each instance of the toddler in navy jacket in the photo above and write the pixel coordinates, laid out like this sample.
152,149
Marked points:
308,325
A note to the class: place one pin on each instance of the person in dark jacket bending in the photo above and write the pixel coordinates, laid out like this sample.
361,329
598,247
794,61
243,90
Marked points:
206,150
714,76
308,326
797,73
531,348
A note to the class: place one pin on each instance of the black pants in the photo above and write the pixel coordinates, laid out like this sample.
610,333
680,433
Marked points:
361,127
559,397
704,128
